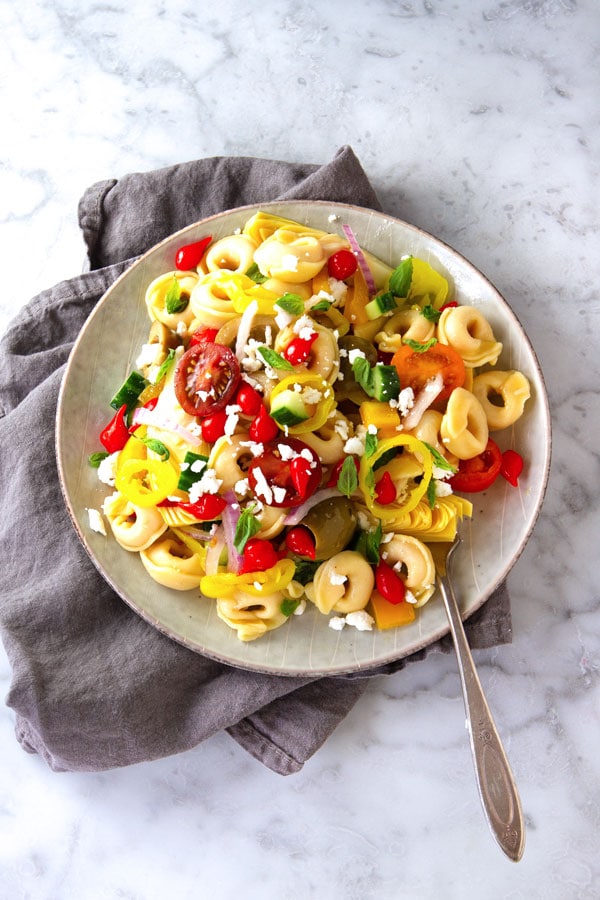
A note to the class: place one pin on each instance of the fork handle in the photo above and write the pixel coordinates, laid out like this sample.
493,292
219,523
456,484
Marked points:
495,781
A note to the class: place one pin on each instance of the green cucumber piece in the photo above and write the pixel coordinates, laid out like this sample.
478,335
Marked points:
288,408
129,391
189,475
380,305
385,383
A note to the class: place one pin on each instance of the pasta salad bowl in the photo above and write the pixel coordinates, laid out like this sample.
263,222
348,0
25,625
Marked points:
493,537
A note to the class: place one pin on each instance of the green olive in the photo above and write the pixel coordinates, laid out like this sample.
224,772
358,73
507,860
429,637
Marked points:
332,523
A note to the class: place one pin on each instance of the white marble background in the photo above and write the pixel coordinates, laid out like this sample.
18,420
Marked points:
477,120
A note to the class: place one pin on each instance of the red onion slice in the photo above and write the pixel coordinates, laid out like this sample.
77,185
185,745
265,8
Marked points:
298,513
428,393
229,518
362,262
143,416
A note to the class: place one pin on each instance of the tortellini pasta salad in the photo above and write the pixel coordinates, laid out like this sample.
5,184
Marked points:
303,425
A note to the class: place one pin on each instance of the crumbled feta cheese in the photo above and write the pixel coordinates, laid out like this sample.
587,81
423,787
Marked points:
304,327
241,487
338,289
337,623
409,596
361,620
286,452
332,217
181,328
148,355
290,262
279,494
300,608
255,448
442,488
355,354
107,470
311,395
406,400
207,484
96,521
262,488
334,578
232,419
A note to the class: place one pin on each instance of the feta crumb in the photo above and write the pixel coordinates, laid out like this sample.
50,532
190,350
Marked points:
332,217
279,494
361,620
355,354
107,470
442,488
148,355
255,448
406,400
262,488
311,395
334,578
241,487
410,597
337,623
290,262
300,608
286,452
207,484
96,521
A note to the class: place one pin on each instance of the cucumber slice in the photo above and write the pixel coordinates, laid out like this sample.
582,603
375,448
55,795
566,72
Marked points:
129,391
386,383
288,408
381,304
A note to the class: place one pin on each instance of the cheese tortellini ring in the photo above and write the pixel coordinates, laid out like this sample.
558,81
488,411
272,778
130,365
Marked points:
406,325
327,441
172,564
428,431
210,302
324,358
464,427
272,521
280,288
466,330
411,556
230,460
134,527
343,583
290,256
251,616
511,387
156,297
234,253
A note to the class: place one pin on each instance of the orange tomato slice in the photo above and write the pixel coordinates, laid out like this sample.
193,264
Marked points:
416,367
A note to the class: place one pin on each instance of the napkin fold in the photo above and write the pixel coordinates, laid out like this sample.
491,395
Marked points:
93,685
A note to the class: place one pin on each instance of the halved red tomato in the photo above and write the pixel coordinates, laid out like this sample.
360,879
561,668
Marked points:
206,378
480,472
415,367
272,478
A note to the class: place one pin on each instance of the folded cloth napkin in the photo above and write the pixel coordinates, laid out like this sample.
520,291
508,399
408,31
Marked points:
93,685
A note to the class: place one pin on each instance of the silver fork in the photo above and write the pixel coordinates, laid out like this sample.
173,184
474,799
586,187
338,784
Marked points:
495,781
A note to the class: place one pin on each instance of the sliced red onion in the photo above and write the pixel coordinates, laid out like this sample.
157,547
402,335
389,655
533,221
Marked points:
297,514
362,262
428,393
143,416
229,518
244,329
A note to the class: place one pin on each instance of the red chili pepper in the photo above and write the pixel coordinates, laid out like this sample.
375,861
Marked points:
335,472
116,434
213,427
385,490
449,305
512,466
263,428
203,336
298,350
388,583
189,256
301,541
248,399
258,555
301,474
342,264
206,507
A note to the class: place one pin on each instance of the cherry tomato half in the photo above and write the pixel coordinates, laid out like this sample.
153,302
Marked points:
415,368
271,475
342,264
479,473
206,378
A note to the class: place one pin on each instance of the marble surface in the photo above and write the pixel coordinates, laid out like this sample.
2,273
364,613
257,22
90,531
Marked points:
477,120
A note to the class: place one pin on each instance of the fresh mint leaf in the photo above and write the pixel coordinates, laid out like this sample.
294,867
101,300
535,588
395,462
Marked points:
347,481
156,447
94,459
165,366
431,493
419,347
363,374
401,278
370,444
321,306
289,606
255,274
438,459
247,526
274,359
176,300
430,313
305,570
291,303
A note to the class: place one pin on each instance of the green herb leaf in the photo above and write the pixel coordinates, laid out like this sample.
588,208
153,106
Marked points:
401,278
305,570
274,359
438,459
291,303
156,447
347,481
321,306
367,544
370,444
431,493
247,526
176,299
255,274
421,348
289,606
94,459
430,313
165,366
363,374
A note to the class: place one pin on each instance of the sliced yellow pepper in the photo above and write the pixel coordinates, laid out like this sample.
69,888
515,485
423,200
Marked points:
224,584
427,285
323,407
366,478
146,482
242,291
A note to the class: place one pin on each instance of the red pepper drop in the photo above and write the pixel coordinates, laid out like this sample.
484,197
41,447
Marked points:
206,508
116,434
298,349
389,584
203,336
512,466
248,399
342,264
258,555
263,428
301,475
300,540
213,427
189,256
385,490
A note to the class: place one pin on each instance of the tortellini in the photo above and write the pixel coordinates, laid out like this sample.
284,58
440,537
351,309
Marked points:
406,325
134,527
511,388
343,583
466,330
157,295
172,564
464,427
414,562
251,616
290,257
234,252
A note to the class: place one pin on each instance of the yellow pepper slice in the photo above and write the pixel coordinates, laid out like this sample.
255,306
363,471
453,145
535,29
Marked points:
146,482
427,285
366,478
323,407
224,584
242,291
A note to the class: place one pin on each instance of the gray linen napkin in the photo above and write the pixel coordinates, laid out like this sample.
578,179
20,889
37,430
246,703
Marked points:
93,685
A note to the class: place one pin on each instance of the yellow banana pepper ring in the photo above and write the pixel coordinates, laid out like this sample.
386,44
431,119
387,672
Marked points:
366,479
146,482
242,291
323,406
258,584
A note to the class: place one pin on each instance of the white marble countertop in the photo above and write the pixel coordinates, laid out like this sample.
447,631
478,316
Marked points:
476,120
